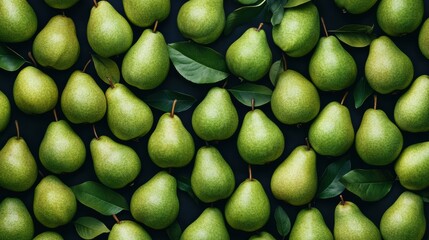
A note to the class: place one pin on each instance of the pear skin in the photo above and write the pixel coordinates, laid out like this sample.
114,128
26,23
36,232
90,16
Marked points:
355,6
19,21
5,111
400,18
146,13
130,230
210,225
15,220
423,39
310,225
48,235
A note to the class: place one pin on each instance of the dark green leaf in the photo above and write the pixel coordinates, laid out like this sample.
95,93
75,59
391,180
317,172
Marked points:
294,3
246,91
330,185
242,16
282,221
354,28
361,92
163,101
100,198
368,184
106,69
277,10
184,184
174,231
355,35
425,195
275,70
9,59
89,227
197,63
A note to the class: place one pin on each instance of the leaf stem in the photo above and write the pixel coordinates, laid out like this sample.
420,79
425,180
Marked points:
324,26
344,97
172,108
86,65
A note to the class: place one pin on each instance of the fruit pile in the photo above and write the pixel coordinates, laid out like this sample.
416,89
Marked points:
247,119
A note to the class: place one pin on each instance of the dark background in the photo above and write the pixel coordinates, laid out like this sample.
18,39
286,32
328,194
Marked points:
33,126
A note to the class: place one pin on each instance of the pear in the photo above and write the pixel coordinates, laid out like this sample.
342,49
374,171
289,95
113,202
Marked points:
331,67
202,21
212,178
351,224
404,219
108,32
355,6
310,225
146,64
411,112
15,220
60,35
332,132
48,235
216,117
61,4
128,230
155,203
400,18
115,164
54,203
34,92
299,30
128,117
260,140
412,166
248,208
294,99
147,12
423,38
378,140
262,236
61,149
19,21
302,187
208,226
250,57
387,68
82,100
5,111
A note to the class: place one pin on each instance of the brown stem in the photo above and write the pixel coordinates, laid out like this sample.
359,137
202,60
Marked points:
224,84
344,97
284,61
155,26
95,131
95,3
253,104
116,218
55,115
324,27
18,136
260,27
30,55
342,200
375,101
250,172
172,108
86,65
307,143
112,85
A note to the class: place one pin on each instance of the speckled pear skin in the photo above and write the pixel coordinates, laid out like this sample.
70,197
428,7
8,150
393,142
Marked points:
48,235
355,6
423,38
146,13
15,220
210,225
310,225
404,219
19,21
5,111
412,166
155,203
54,203
262,236
130,230
398,18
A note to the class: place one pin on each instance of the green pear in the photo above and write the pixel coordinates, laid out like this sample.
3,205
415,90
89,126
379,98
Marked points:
301,187
212,179
411,112
61,149
146,13
423,38
259,140
310,225
115,164
331,67
19,21
60,35
249,57
216,117
82,100
400,18
15,220
54,203
355,6
155,203
298,32
202,21
412,166
108,32
332,132
34,92
170,144
404,219
262,236
48,235
61,4
387,68
128,230
295,99
351,224
208,226
147,62
248,208
378,140
128,116
5,111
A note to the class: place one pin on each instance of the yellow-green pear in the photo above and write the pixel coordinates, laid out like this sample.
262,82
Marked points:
423,38
48,235
18,21
262,236
355,6
5,111
310,225
398,18
210,225
15,220
56,45
128,230
145,13
61,4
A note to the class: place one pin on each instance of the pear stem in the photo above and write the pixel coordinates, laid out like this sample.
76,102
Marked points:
324,27
41,174
309,206
30,55
18,135
95,3
112,85
344,97
95,132
86,65
155,26
224,84
375,101
116,218
55,115
260,27
172,108
250,172
342,200
253,104
284,61
307,143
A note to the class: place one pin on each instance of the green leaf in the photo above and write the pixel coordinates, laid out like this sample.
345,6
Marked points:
89,227
174,231
100,198
330,185
197,63
184,184
294,3
361,92
246,91
9,59
243,15
275,70
282,221
106,69
368,184
277,10
163,100
355,35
